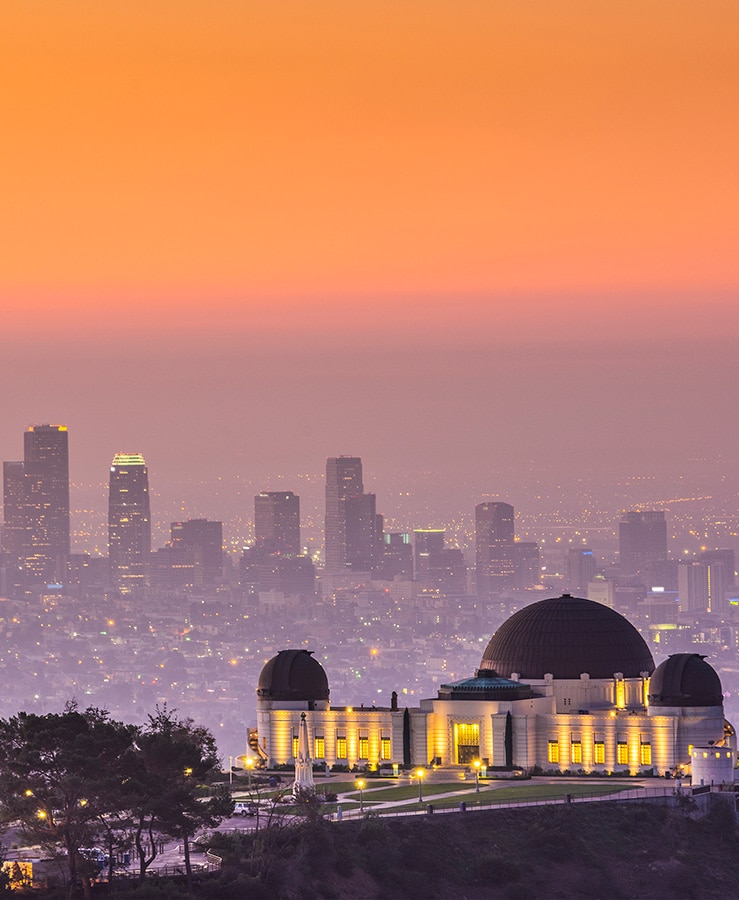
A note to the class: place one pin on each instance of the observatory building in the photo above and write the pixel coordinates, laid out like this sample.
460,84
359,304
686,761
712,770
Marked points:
564,684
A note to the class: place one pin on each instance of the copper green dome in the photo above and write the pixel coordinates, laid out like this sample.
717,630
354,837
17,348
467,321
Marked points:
567,636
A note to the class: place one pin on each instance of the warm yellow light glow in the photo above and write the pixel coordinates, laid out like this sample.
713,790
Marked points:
420,773
41,814
29,793
188,772
477,764
360,784
621,694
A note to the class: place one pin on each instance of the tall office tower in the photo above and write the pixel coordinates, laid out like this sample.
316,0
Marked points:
397,557
361,523
343,479
46,502
15,527
203,539
703,584
129,522
494,554
580,570
642,538
526,565
427,544
277,522
726,559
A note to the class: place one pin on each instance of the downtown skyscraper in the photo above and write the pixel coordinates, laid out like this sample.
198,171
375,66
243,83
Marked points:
353,528
129,523
494,548
277,522
36,508
343,480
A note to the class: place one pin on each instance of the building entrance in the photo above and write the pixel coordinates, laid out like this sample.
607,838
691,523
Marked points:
467,742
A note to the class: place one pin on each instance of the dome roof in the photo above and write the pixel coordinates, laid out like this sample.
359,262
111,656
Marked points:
567,636
293,675
685,679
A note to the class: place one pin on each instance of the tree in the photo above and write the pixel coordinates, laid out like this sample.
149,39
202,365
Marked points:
173,757
56,773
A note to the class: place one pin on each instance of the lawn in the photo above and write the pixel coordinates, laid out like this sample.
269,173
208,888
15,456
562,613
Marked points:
409,791
519,793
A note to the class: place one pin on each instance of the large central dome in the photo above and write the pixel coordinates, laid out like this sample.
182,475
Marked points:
566,636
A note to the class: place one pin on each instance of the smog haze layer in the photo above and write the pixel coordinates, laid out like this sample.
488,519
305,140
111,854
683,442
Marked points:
490,249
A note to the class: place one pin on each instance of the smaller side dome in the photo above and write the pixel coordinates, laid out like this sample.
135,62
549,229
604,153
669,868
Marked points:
293,675
685,679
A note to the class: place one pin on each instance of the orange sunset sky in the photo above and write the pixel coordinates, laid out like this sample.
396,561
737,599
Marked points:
331,164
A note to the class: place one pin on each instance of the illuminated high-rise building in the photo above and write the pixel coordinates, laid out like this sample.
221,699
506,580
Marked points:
494,552
343,480
277,522
37,511
129,522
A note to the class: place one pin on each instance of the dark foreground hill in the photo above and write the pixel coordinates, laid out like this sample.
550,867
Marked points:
607,850
596,850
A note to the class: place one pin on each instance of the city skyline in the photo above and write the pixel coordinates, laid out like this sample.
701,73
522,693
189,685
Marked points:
490,244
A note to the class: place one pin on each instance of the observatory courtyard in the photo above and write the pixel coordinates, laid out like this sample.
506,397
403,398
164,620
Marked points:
565,684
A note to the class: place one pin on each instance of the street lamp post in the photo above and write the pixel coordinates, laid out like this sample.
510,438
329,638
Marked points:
360,785
249,763
230,771
419,775
477,765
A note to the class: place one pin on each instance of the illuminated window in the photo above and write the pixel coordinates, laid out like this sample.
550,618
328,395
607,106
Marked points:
553,751
385,748
622,753
363,747
599,753
341,748
576,751
295,745
645,753
320,748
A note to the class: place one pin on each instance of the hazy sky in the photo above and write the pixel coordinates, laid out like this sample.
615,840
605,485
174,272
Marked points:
473,238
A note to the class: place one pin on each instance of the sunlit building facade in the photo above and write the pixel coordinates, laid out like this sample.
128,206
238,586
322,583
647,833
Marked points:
565,684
